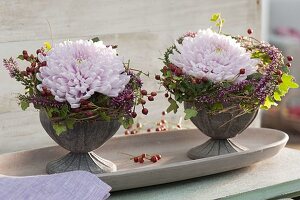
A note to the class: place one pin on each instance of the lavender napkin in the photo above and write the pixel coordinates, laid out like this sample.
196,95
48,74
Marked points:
76,185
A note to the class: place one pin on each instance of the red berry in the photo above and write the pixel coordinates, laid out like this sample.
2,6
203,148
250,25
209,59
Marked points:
84,102
133,114
163,121
163,113
143,101
164,69
141,160
24,52
133,132
158,156
24,73
288,64
151,98
249,31
172,67
38,51
166,95
26,56
139,125
144,92
44,63
143,155
158,129
204,79
290,58
279,72
145,111
198,80
28,69
178,126
148,130
127,132
178,72
242,71
154,159
157,77
136,159
153,94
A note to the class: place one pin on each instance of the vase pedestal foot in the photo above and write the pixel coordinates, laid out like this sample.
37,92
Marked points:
90,162
214,147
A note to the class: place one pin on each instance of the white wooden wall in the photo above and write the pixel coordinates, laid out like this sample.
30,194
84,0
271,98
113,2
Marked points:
142,29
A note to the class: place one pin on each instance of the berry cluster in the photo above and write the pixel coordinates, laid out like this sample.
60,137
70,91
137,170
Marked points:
150,97
160,126
141,158
35,64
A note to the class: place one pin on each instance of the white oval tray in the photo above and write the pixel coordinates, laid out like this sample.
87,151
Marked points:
172,145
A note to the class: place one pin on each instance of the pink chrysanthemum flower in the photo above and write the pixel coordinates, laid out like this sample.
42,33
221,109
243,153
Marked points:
74,71
214,56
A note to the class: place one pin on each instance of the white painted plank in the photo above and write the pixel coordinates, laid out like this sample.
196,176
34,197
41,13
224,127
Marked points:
27,20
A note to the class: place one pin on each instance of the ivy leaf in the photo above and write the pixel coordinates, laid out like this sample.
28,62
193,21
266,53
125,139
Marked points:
63,112
255,76
277,96
50,112
288,80
126,122
21,57
268,103
190,112
70,123
285,69
217,106
59,128
104,116
95,39
173,105
24,104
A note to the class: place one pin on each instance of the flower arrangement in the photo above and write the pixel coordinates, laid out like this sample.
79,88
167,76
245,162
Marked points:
79,81
221,72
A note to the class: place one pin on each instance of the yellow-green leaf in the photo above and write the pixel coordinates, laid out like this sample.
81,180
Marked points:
215,17
190,112
24,105
268,103
277,96
289,81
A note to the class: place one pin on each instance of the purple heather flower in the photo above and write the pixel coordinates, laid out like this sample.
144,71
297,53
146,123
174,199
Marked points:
214,56
74,71
11,65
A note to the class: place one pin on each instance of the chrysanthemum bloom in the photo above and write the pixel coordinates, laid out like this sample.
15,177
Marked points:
76,70
214,56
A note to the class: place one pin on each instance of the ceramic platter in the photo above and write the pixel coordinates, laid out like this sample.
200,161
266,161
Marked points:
172,145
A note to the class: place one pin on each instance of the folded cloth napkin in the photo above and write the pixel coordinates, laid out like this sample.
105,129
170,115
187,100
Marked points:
75,185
